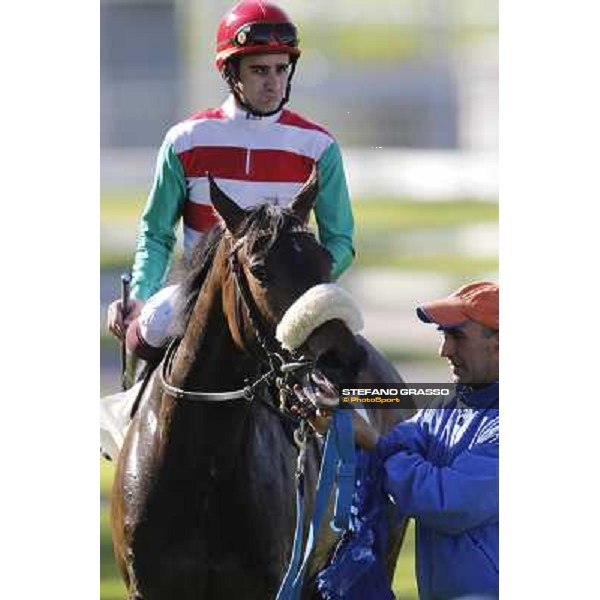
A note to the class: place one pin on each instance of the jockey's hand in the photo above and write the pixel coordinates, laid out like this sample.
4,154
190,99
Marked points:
116,322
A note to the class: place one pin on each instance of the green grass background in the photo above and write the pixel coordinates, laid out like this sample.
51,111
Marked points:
380,224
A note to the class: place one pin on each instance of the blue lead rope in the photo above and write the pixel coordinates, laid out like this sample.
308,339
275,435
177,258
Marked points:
346,468
339,462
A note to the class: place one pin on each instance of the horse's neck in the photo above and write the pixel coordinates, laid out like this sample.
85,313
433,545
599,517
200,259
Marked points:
208,357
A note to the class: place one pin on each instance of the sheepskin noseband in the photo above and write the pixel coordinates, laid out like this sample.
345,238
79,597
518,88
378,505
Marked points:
316,306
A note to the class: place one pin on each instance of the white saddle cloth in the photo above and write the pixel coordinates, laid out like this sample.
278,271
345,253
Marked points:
114,419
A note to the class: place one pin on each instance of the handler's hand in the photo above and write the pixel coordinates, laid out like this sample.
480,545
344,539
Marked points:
319,392
319,418
115,322
364,434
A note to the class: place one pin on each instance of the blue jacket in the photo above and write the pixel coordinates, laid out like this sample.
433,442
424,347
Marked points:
442,469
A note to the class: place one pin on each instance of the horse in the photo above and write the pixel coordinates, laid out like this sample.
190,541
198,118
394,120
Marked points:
203,502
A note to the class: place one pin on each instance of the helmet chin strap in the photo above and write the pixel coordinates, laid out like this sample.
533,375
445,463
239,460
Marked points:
234,83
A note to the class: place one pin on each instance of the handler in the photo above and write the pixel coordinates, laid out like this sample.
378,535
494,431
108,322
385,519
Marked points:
259,152
441,467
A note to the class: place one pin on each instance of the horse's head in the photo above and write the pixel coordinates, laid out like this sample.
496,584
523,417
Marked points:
279,257
278,260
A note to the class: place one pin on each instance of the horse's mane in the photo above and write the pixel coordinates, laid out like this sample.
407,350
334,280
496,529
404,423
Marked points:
191,277
260,229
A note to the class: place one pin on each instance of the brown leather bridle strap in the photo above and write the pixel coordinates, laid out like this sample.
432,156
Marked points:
268,342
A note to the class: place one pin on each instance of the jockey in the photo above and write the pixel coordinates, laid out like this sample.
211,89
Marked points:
256,149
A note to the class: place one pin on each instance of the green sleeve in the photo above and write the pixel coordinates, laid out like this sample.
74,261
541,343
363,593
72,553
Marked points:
333,210
156,234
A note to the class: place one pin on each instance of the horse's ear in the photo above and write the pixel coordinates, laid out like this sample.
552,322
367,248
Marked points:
305,198
226,208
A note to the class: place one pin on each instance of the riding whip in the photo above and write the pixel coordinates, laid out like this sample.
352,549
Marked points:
125,283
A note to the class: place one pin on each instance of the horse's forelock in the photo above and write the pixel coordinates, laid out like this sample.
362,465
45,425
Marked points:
264,225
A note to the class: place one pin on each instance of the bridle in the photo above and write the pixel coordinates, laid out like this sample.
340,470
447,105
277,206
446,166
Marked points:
280,362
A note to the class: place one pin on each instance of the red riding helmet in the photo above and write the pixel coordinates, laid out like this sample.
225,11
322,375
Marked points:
255,27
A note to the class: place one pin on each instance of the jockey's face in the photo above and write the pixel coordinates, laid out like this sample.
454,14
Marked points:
263,80
473,353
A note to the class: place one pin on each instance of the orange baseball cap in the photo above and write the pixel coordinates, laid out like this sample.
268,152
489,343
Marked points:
477,301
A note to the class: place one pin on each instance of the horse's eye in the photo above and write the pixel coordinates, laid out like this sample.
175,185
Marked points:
259,271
